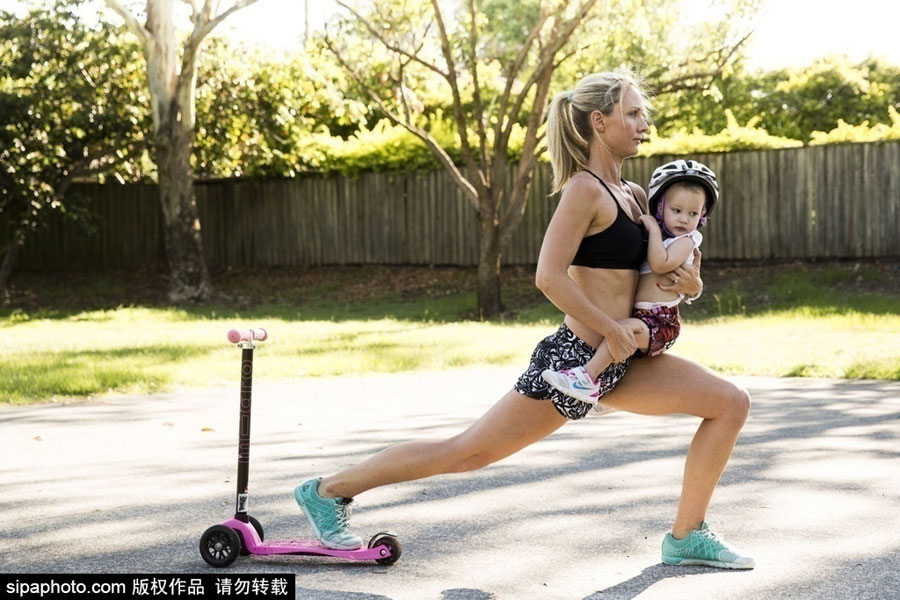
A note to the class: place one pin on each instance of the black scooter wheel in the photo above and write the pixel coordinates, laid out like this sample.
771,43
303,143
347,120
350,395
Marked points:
393,545
259,531
220,545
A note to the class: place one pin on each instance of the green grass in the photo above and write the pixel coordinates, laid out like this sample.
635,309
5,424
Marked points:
831,321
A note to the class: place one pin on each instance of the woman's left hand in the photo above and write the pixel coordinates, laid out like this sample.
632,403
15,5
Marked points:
685,279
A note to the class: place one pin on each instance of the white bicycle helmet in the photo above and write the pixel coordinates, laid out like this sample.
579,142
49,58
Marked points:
683,170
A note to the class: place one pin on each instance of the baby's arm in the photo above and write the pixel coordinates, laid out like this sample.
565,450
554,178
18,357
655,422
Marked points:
662,259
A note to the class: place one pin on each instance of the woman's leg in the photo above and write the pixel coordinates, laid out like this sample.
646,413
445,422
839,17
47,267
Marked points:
513,423
668,384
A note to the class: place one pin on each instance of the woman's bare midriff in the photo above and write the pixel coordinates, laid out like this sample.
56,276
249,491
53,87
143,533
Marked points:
611,290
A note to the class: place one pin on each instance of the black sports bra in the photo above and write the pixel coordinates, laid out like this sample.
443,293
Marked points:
622,245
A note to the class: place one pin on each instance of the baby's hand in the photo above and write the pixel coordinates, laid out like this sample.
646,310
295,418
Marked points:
648,222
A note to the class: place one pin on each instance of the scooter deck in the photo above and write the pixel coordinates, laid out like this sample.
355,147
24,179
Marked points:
309,547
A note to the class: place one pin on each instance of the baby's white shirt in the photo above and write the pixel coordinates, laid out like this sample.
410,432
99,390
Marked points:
694,235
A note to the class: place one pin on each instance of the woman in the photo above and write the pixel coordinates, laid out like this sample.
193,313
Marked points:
588,267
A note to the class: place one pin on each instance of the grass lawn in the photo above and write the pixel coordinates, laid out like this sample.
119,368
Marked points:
79,335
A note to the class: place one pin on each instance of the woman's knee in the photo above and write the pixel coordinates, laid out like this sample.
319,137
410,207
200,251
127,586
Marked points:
464,456
510,425
736,406
473,463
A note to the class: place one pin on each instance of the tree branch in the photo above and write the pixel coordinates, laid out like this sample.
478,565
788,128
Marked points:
468,189
401,87
477,106
678,83
214,22
511,74
209,7
131,22
569,55
203,26
541,78
545,63
392,47
517,64
457,99
195,10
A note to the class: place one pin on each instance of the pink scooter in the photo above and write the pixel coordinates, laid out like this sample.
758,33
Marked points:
243,534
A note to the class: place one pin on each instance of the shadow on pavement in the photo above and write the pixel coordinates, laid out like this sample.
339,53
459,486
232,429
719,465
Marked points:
637,585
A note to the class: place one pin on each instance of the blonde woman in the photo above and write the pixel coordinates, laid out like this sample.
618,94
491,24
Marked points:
588,267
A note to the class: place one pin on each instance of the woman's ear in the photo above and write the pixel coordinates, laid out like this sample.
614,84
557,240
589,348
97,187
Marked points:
598,121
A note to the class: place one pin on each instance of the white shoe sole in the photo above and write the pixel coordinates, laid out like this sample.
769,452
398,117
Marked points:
706,563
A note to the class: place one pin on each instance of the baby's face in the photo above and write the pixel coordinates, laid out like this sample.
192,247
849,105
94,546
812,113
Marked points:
683,210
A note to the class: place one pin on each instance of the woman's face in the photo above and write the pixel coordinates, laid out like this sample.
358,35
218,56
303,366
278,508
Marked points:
623,129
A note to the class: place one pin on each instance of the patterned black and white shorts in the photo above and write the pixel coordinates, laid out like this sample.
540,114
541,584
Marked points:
562,350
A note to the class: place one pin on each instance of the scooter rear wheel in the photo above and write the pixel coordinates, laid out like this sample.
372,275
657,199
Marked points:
220,546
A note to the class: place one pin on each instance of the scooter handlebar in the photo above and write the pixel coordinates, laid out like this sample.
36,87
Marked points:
235,336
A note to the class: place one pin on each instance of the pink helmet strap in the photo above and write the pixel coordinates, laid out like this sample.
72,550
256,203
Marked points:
660,206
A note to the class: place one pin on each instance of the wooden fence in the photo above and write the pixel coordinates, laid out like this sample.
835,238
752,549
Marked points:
815,202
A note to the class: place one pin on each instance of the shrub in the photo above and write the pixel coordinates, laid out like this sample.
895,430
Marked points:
733,137
845,132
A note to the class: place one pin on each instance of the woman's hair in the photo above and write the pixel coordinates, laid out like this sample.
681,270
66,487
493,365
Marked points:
569,130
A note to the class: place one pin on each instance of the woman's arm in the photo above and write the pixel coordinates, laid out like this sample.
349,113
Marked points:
581,206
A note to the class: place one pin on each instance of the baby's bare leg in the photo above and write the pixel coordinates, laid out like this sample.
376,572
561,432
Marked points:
602,358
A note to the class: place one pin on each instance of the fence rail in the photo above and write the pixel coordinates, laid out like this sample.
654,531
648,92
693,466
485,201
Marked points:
814,202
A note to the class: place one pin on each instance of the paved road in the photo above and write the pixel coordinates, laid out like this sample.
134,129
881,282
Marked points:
128,484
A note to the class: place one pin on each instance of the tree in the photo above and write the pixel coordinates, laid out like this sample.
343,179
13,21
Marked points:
172,83
791,102
797,102
71,106
494,63
285,108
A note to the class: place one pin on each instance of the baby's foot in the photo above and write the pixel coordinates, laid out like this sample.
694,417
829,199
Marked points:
575,383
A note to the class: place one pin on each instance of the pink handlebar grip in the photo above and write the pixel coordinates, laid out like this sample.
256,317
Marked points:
236,336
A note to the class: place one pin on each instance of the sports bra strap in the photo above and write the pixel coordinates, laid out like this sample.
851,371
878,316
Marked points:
625,183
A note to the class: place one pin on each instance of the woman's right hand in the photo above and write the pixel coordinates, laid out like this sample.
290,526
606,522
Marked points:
620,342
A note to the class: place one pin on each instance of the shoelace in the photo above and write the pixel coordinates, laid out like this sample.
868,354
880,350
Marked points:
343,514
713,536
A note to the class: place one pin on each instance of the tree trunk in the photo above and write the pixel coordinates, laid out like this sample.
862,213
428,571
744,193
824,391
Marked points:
190,279
10,258
489,252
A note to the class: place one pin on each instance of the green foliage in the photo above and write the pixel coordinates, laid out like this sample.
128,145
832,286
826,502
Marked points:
732,137
790,103
845,132
275,115
672,44
71,105
385,147
797,102
257,113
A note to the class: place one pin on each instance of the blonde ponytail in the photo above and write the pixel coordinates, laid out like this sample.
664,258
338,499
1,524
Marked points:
569,131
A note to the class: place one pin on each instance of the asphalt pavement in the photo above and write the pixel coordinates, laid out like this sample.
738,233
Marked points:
127,484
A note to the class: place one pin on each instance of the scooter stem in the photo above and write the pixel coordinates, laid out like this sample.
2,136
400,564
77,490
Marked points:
243,470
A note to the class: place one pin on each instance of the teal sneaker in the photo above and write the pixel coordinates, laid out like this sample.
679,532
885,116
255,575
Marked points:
329,517
703,547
